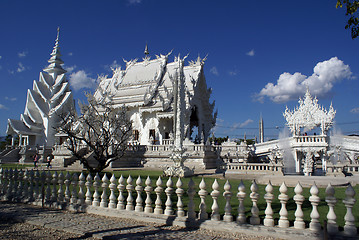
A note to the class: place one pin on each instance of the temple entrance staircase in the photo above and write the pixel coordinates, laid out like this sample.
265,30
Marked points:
10,155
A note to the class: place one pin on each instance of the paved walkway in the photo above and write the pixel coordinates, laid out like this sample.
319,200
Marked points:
89,226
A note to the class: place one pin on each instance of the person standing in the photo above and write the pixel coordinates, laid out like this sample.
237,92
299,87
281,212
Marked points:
48,159
36,159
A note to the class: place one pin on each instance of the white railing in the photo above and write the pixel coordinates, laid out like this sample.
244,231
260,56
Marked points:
309,139
135,196
255,167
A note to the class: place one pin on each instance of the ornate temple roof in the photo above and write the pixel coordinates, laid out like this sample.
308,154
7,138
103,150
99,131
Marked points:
309,115
140,81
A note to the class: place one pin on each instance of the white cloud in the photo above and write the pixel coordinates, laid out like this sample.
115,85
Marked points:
70,54
251,53
355,110
0,57
70,68
80,79
3,107
112,66
320,83
12,99
22,54
20,68
233,73
245,123
134,1
214,71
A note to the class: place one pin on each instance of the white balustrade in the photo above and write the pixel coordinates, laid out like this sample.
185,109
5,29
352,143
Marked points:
19,185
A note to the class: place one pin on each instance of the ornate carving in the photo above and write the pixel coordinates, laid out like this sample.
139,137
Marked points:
309,115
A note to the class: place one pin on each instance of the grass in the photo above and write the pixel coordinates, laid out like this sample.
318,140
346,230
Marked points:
340,209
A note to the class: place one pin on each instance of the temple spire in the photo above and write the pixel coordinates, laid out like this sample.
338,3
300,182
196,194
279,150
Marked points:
146,50
55,60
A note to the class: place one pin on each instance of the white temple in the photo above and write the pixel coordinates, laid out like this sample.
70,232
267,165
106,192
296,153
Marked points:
49,97
146,88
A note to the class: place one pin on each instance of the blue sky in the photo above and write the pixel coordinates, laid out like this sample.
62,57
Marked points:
261,54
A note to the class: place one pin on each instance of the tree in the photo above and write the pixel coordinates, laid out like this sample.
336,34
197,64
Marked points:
102,132
353,21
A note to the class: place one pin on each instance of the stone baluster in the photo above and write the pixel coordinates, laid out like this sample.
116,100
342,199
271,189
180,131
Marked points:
129,188
36,188
74,182
169,190
4,182
215,208
104,200
16,184
202,206
299,199
241,196
54,187
191,214
19,190
48,187
314,215
283,213
10,185
26,185
67,187
148,201
158,202
60,192
42,185
349,201
112,187
227,208
139,189
81,195
121,199
254,219
332,226
88,184
31,185
268,220
179,192
96,195
1,181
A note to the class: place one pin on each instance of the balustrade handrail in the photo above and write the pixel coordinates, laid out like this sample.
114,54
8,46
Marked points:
80,191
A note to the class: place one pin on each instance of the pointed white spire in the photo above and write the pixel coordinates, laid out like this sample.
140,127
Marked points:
55,60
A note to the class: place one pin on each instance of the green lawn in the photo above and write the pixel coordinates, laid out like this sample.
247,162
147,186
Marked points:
340,209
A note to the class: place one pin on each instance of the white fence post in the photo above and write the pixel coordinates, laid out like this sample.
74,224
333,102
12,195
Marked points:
158,202
169,190
227,209
179,192
148,201
283,198
314,215
139,189
121,198
268,220
349,201
299,199
88,185
215,208
129,188
254,220
241,195
331,201
202,206
112,187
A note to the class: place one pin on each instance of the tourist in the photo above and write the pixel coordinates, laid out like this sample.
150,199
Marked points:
36,158
48,159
